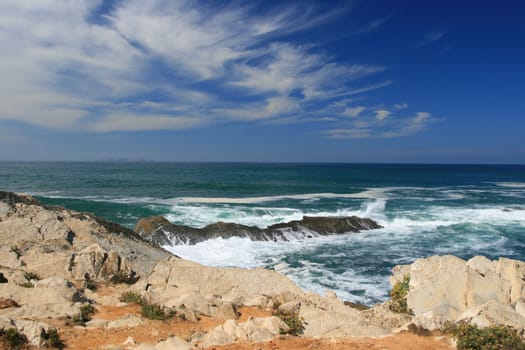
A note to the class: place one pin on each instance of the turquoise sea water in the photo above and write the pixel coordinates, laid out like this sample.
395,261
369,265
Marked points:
463,210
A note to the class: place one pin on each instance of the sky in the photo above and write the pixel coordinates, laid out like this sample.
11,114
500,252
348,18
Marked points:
263,81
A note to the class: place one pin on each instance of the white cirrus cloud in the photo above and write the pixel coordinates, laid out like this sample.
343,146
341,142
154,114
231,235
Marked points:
160,64
382,114
142,122
381,128
354,111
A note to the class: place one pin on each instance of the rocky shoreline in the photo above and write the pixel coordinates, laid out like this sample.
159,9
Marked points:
55,264
161,232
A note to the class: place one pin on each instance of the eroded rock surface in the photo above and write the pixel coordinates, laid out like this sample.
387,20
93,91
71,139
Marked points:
480,291
162,232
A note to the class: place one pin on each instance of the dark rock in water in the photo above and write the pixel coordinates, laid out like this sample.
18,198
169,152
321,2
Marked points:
514,208
160,231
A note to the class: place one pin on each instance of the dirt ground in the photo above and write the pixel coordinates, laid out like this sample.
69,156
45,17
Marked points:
76,337
403,341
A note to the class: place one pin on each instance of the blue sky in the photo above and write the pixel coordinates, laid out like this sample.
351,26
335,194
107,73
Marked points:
338,81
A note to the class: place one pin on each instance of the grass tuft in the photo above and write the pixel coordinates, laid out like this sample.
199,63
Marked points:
31,276
419,330
157,312
131,297
51,339
292,320
84,314
122,277
17,251
27,285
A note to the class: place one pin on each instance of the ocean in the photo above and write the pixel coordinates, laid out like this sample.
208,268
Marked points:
464,210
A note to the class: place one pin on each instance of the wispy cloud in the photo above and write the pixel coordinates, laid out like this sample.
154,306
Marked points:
380,127
141,122
382,114
430,38
354,111
164,64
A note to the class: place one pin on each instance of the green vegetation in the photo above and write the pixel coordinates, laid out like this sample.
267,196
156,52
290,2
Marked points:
157,312
13,338
84,314
89,284
419,330
17,251
51,339
151,311
470,337
122,277
131,297
398,296
27,285
31,276
294,323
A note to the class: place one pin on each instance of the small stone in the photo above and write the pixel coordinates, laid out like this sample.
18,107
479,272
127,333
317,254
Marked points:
130,341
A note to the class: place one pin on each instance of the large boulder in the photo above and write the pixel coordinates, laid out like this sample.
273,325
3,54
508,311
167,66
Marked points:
254,330
329,316
194,289
492,313
175,277
447,288
95,263
51,297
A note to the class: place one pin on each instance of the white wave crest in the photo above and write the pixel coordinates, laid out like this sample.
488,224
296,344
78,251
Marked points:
511,184
262,199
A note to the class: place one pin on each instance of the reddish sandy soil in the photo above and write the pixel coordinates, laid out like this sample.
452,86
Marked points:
77,337
154,331
403,341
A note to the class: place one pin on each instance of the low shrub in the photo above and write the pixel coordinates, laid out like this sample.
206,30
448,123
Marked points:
294,323
92,286
84,314
27,285
122,277
471,337
398,296
13,338
131,297
419,330
157,312
51,339
31,276
17,251
87,311
88,283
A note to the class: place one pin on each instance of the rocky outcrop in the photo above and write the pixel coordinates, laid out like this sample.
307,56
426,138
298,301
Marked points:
254,330
195,289
48,253
53,241
52,297
161,232
480,291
